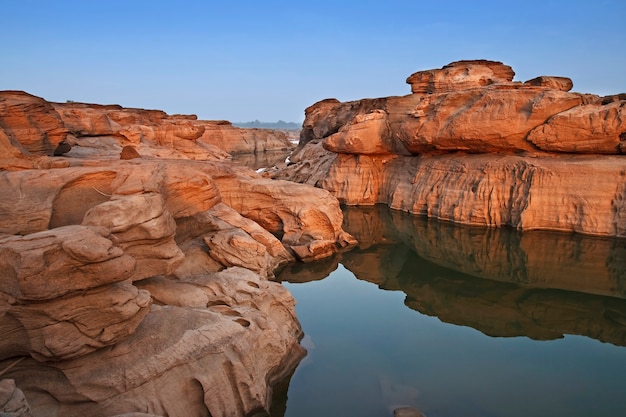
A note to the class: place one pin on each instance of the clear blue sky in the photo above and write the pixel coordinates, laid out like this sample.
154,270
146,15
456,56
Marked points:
269,60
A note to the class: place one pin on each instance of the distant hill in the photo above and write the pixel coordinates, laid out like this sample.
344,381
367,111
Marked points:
270,125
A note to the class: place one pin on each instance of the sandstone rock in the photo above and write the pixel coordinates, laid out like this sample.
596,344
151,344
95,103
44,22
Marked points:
485,120
239,241
177,136
84,120
591,128
557,83
308,164
10,149
241,140
366,134
282,209
12,400
327,116
89,240
129,152
460,75
31,121
140,218
418,159
52,263
74,325
246,333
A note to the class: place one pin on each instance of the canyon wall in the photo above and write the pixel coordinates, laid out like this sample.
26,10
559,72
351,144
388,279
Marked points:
134,263
472,146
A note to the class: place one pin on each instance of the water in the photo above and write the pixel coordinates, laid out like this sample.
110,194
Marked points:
459,321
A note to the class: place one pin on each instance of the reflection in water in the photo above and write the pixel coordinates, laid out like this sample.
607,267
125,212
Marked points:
538,285
535,259
499,281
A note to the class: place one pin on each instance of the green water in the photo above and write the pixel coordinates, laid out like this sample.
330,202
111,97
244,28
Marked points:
461,322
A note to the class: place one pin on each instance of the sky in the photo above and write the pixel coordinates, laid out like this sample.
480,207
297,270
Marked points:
269,60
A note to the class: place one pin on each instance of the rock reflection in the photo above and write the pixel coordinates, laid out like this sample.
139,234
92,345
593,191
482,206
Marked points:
501,282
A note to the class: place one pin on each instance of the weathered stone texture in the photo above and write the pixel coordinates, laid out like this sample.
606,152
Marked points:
472,146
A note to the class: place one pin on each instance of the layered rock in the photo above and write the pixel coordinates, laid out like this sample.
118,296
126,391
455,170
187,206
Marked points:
212,346
31,123
37,127
472,146
139,284
460,75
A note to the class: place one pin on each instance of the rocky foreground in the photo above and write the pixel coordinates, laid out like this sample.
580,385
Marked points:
472,146
134,263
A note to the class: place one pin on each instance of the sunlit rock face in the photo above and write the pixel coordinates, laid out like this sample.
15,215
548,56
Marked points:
472,146
155,133
37,127
134,263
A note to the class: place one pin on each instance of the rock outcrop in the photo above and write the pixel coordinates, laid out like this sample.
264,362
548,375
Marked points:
38,127
140,283
472,146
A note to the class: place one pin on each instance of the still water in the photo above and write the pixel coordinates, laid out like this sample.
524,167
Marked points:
461,321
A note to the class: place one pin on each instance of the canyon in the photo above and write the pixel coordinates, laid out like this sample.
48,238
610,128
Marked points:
472,146
140,263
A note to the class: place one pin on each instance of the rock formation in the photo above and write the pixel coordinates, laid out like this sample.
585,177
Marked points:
472,146
140,284
38,127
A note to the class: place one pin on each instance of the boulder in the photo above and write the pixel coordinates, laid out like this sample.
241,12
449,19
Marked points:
460,75
129,152
556,83
297,215
365,134
589,129
481,120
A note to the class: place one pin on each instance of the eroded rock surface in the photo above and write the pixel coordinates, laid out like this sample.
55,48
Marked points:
472,146
135,264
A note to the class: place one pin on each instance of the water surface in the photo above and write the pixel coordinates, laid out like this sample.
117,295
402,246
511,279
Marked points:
461,321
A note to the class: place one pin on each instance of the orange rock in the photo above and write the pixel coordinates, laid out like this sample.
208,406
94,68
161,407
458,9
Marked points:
486,151
31,121
491,119
49,264
592,128
556,83
187,136
365,134
460,75
129,152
